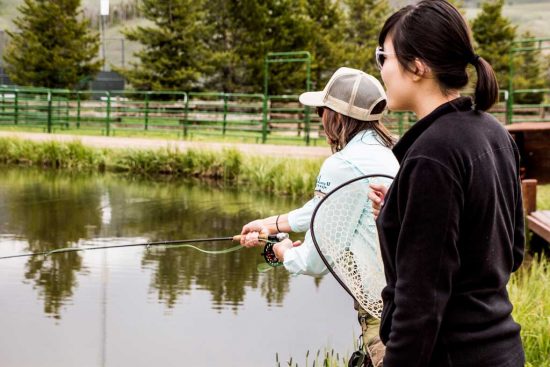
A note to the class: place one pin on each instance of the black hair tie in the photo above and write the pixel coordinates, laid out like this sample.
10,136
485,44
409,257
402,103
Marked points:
475,59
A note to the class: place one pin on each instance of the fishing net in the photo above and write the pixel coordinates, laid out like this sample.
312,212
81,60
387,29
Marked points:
344,232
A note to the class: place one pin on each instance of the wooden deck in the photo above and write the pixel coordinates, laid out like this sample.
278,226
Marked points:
533,141
539,223
528,126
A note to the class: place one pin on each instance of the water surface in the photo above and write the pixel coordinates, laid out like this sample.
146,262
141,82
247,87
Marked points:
161,307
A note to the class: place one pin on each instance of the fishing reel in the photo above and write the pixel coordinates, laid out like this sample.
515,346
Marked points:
268,254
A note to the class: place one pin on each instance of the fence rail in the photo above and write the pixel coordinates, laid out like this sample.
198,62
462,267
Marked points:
186,115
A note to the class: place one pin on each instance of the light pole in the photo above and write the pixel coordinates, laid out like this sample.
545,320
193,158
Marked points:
104,12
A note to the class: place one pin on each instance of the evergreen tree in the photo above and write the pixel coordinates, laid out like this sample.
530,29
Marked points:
494,35
53,46
222,35
287,30
527,73
364,20
326,22
172,51
240,35
459,4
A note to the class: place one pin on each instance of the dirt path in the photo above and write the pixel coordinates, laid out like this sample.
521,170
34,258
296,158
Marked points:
144,143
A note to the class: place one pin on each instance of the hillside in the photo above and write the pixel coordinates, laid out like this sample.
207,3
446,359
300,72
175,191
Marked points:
529,15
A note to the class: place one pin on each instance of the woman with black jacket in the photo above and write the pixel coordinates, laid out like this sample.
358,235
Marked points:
451,225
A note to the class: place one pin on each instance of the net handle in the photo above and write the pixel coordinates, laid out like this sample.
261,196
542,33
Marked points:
312,231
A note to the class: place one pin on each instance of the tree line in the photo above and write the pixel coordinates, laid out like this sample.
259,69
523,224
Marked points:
220,45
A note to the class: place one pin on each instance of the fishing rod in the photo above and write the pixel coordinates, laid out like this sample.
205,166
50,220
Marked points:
268,253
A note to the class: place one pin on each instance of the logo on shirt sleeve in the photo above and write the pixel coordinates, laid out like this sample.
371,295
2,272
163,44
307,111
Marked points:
321,185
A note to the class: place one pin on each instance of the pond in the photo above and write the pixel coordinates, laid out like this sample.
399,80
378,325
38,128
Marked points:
140,307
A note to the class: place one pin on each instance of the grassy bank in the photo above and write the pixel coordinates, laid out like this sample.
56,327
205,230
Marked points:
278,175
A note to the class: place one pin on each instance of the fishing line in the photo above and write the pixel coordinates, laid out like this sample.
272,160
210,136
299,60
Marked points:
268,254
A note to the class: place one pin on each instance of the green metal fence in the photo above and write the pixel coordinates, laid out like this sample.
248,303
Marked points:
530,112
226,114
34,107
518,47
188,115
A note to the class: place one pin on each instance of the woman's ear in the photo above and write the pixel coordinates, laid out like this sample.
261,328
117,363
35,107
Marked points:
420,70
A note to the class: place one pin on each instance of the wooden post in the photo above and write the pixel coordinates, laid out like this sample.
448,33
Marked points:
529,190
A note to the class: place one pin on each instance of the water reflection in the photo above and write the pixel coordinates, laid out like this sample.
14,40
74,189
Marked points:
162,307
53,210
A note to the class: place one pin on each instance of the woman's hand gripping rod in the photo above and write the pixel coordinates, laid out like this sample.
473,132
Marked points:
270,240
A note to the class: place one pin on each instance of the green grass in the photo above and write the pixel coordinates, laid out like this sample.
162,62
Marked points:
529,291
277,175
543,197
214,137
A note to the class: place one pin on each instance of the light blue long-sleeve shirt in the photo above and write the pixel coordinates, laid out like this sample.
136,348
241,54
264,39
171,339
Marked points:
363,155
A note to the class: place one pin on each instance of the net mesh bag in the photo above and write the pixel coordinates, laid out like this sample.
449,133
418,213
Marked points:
344,232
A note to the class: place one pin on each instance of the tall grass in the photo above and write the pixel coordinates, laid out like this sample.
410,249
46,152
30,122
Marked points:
269,174
325,358
72,155
529,291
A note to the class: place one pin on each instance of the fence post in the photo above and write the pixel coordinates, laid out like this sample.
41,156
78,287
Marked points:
266,94
186,116
507,106
78,110
108,114
16,107
264,119
49,121
225,96
510,103
147,110
307,125
529,190
308,88
67,107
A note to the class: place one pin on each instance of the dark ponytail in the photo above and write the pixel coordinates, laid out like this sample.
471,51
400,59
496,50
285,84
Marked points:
486,94
436,33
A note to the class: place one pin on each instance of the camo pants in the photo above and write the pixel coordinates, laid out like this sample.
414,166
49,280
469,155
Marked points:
370,326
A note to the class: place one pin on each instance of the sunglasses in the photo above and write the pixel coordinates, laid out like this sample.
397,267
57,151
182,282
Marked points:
381,56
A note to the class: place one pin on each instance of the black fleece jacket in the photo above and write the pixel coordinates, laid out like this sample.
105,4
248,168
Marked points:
451,233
